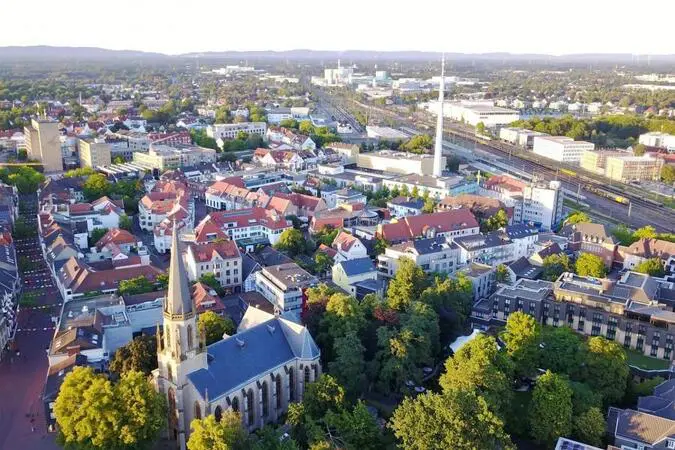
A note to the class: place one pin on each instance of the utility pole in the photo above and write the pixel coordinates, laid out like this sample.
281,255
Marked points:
630,207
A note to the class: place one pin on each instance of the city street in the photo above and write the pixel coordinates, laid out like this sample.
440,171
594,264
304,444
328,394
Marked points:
24,369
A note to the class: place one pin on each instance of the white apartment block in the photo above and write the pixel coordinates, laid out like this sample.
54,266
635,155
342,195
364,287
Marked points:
436,255
475,112
284,285
658,139
561,148
222,259
230,130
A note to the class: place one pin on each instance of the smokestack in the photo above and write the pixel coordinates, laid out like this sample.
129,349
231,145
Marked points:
438,149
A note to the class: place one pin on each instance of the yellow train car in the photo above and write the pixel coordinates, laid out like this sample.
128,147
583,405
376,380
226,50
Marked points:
571,173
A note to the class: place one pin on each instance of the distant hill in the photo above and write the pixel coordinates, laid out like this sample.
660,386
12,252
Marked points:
95,53
44,52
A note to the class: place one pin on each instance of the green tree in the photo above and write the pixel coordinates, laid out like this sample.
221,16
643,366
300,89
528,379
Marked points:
79,172
118,160
668,173
322,262
211,281
96,186
458,419
289,123
555,265
96,235
551,409
125,222
562,352
323,395
606,368
214,326
306,127
522,336
349,365
646,232
577,217
429,205
162,280
268,439
140,355
326,235
590,265
137,285
639,149
93,413
480,128
623,234
502,274
356,429
589,427
499,220
407,284
652,267
291,241
380,245
418,143
209,434
480,366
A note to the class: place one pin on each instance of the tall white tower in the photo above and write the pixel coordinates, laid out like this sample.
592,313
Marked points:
438,149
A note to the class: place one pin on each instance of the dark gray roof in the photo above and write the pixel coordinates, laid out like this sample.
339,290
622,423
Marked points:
371,285
268,256
412,203
250,354
524,269
357,266
520,230
425,246
248,265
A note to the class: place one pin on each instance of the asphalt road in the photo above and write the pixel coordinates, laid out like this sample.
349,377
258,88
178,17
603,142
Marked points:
22,376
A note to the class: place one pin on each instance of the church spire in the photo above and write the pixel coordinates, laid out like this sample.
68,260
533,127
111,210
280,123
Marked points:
438,148
178,299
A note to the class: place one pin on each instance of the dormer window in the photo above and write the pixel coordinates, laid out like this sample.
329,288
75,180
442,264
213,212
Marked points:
671,443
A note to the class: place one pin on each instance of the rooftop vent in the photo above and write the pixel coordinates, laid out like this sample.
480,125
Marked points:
240,342
270,328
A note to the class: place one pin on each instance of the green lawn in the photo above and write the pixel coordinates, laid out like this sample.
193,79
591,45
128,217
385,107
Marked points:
645,362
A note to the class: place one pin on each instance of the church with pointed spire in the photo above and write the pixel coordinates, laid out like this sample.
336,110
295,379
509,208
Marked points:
257,372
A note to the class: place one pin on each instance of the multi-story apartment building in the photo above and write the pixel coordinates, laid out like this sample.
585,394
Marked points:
284,285
43,143
622,166
221,258
537,203
94,152
164,157
248,227
231,130
561,148
437,254
592,238
635,311
450,224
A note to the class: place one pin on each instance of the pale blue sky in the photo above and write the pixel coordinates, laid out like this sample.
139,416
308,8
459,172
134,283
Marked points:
516,26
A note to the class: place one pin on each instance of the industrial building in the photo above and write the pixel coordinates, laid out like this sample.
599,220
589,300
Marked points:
561,148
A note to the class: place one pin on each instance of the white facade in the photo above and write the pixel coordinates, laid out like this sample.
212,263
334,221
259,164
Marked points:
561,148
227,270
658,139
474,112
284,286
230,130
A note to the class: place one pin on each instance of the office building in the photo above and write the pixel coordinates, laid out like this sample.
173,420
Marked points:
43,143
622,166
561,148
473,113
231,130
398,162
659,140
519,136
94,153
284,285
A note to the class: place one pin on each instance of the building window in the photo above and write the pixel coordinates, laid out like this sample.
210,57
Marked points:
291,385
307,375
279,390
235,404
198,411
218,413
265,399
249,407
190,340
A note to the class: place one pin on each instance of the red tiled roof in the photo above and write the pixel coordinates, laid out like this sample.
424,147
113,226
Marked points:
116,236
323,248
204,300
411,227
344,241
205,252
652,248
505,182
242,218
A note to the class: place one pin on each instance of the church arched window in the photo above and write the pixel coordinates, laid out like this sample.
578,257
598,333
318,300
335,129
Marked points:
307,375
169,372
167,336
249,407
291,385
280,392
190,340
265,399
235,404
315,368
198,411
218,413
177,342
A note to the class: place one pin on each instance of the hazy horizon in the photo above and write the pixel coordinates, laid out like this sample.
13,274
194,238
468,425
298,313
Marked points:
519,27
